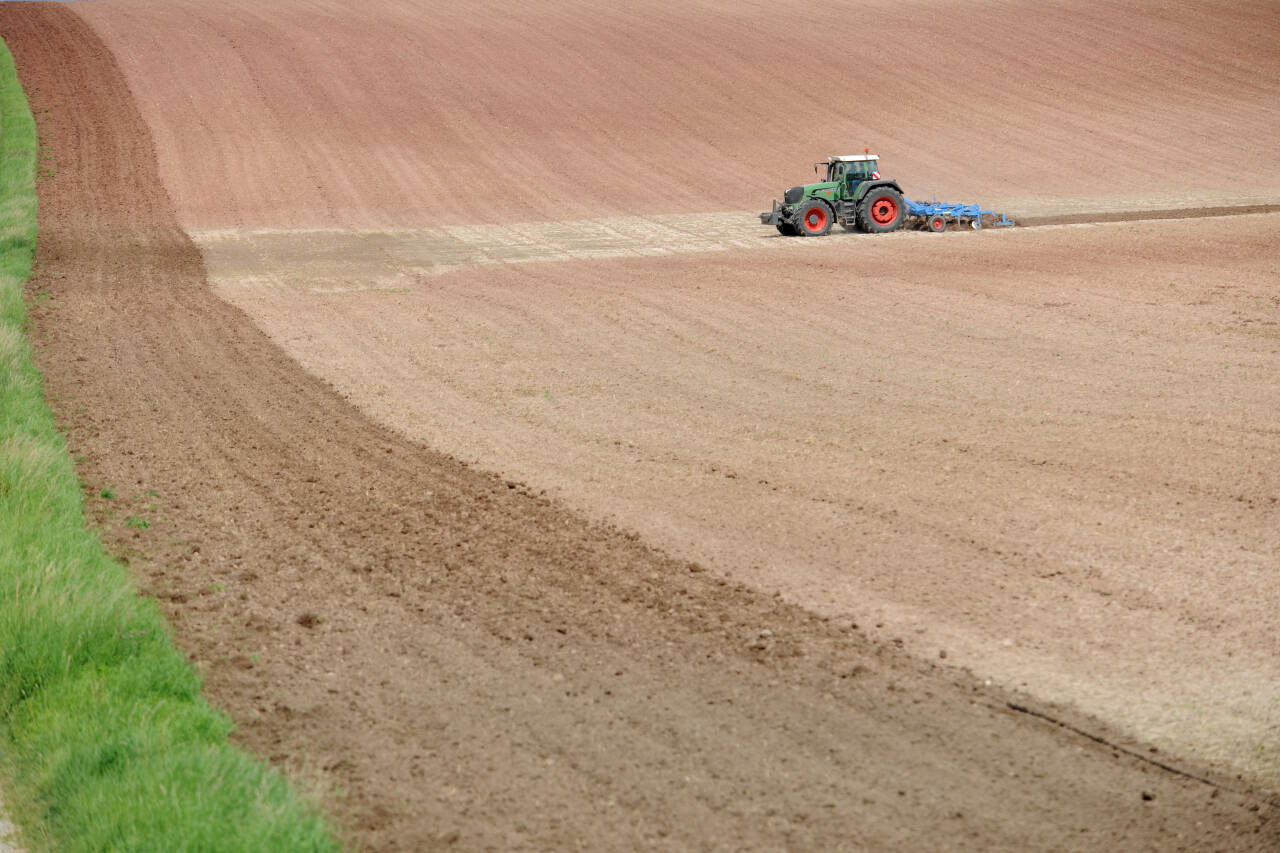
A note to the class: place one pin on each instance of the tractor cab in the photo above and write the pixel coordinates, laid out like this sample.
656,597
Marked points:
853,167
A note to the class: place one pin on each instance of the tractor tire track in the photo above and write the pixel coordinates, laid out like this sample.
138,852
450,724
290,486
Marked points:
1141,214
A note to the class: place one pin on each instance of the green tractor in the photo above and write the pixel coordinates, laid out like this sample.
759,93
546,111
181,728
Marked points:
852,193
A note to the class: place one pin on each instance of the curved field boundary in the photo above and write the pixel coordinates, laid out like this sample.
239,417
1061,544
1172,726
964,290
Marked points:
103,725
904,421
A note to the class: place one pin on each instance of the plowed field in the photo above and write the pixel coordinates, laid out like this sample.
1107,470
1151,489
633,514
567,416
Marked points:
516,494
386,112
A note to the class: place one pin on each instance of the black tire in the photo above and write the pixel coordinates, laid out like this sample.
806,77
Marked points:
936,223
814,218
785,228
881,210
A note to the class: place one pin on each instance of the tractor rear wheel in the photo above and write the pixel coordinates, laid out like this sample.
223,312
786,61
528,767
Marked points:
814,218
882,210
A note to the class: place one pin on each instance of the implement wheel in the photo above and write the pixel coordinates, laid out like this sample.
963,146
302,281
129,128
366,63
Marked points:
882,210
937,223
814,218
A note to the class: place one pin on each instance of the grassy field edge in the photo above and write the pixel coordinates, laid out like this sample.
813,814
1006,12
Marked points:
105,740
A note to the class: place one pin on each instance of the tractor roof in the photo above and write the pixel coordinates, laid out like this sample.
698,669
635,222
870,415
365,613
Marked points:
854,158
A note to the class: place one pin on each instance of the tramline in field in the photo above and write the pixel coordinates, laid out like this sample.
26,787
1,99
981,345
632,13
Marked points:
853,194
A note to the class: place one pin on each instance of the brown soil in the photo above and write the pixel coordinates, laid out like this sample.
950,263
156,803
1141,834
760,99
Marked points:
309,112
471,664
1134,215
1048,451
7,835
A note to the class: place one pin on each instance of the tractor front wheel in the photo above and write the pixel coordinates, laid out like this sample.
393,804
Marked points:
882,210
814,218
785,228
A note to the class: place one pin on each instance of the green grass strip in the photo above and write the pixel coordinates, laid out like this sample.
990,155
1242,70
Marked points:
105,740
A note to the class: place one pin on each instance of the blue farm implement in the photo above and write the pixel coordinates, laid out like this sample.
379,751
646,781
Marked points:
936,215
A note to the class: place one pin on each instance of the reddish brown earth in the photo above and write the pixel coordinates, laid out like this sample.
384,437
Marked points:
1050,452
455,659
1027,450
308,112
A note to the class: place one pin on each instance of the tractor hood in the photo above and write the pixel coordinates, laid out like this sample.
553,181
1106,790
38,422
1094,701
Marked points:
827,190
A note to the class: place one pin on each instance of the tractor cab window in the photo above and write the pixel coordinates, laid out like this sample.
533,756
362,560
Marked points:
835,172
861,170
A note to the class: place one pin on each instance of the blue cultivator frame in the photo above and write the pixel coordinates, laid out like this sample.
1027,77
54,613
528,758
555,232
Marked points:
936,215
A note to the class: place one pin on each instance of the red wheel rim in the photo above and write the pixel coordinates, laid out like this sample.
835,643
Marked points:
815,219
937,224
884,210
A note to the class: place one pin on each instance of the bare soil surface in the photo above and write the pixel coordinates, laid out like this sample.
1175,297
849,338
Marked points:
8,834
1051,453
299,113
470,663
339,259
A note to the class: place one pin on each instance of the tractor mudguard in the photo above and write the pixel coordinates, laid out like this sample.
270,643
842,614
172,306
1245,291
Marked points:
866,186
